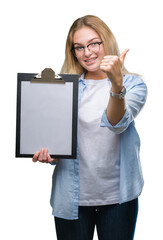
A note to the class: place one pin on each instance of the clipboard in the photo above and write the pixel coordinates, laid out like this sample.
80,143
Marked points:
47,112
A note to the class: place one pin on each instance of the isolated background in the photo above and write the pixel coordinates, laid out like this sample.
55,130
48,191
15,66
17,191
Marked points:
33,35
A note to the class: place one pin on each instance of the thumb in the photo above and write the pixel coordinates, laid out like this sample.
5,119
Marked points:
50,160
123,55
35,157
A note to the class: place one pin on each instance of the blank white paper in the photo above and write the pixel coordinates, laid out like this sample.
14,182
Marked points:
46,118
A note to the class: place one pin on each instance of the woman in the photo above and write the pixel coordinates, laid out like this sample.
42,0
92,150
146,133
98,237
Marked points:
104,190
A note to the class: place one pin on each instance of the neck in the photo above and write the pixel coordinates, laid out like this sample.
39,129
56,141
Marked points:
97,75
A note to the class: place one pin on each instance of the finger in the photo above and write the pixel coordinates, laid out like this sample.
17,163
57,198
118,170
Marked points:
107,68
107,64
110,57
35,157
50,160
107,57
123,55
40,158
45,154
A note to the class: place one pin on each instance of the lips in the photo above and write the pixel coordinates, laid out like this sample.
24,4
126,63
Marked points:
90,60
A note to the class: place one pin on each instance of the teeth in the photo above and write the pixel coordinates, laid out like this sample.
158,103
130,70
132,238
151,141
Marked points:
90,60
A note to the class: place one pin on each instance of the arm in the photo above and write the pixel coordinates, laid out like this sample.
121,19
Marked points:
116,109
112,65
136,94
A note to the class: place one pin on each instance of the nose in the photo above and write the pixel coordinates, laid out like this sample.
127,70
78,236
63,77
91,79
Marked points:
87,52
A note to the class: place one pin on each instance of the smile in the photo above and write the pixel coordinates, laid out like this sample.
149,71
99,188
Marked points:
91,60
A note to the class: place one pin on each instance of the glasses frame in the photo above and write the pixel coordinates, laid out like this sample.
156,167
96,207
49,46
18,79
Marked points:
87,46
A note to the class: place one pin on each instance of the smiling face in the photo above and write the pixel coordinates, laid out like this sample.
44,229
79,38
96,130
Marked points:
90,60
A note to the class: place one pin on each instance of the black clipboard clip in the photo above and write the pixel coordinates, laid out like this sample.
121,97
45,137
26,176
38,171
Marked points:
47,76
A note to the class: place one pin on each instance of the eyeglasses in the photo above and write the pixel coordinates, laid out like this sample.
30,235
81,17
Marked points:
92,47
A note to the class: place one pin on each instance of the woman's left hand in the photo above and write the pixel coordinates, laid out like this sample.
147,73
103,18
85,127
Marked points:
112,66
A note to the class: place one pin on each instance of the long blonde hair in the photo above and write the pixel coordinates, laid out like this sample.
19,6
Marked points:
71,64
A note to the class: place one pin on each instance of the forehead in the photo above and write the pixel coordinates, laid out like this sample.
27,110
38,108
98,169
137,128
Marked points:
84,35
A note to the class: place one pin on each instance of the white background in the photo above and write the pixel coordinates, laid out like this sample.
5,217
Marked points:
33,35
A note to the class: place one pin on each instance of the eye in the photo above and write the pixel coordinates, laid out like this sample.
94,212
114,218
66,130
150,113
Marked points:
94,44
80,48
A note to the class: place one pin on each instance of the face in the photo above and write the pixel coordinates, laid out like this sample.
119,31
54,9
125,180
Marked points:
87,57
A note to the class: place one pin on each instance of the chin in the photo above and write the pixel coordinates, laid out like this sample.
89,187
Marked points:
92,68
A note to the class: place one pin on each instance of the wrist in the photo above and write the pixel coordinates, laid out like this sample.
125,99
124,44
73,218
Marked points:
119,95
117,88
117,84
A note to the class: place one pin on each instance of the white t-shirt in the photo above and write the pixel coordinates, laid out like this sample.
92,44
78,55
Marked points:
99,149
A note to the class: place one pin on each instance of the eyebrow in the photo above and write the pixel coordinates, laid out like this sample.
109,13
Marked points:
88,41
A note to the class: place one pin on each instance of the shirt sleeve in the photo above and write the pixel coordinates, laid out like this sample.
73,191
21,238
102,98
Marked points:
136,94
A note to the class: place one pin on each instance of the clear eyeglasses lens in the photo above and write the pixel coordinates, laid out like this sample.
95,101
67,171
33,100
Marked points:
92,47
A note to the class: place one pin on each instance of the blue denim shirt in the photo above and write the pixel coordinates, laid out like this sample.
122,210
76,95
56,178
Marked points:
65,180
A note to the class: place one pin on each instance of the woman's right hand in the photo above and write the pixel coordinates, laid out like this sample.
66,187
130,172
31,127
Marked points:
44,157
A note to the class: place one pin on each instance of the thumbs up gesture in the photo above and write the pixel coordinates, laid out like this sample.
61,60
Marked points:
112,66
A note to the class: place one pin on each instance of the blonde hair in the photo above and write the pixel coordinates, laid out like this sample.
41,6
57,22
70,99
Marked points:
71,64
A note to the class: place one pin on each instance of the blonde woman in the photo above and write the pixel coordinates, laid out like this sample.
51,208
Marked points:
101,187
